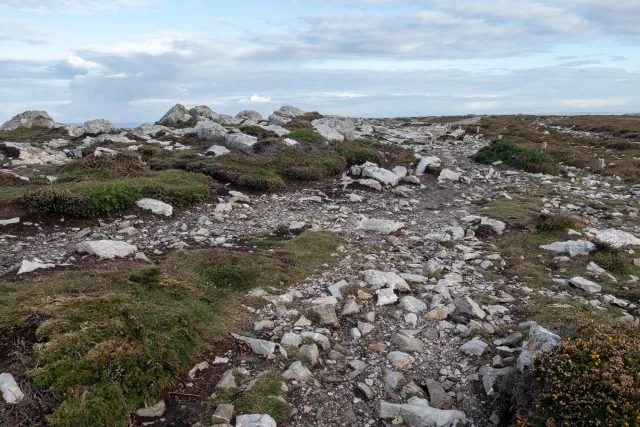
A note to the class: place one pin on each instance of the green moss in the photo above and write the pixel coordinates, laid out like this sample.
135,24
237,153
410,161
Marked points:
505,209
265,397
114,337
306,135
102,406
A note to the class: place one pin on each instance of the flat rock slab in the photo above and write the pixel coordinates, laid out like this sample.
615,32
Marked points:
382,226
155,206
108,249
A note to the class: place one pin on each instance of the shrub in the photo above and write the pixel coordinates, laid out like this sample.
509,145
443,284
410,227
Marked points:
509,153
558,221
611,259
593,379
357,153
270,183
306,135
54,201
103,405
121,165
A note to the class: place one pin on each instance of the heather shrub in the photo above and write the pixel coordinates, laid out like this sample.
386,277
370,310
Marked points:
592,379
509,153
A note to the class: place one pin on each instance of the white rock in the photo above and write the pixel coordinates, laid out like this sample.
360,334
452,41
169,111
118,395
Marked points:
217,150
383,226
255,420
10,221
448,175
155,206
335,128
154,411
386,296
585,285
29,266
428,162
417,413
176,116
240,141
571,247
108,249
30,119
11,393
617,238
207,130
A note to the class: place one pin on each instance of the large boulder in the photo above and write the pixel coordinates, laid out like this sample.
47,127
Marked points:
249,114
176,116
240,141
26,154
99,126
335,128
571,247
284,115
30,119
203,112
209,131
617,238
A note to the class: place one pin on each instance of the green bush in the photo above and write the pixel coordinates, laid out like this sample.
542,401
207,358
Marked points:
592,379
558,221
101,406
510,154
357,153
305,135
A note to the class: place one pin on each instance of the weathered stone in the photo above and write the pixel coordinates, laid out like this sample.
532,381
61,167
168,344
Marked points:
386,296
571,247
28,120
154,411
176,116
298,372
617,238
405,343
11,392
223,414
155,206
417,412
468,306
99,126
204,112
240,141
475,347
209,131
108,249
382,226
412,304
326,314
438,397
255,420
585,285
335,128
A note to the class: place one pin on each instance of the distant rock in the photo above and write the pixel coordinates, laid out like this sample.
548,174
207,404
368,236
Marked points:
99,126
249,114
155,206
203,112
108,249
383,226
240,141
617,238
335,128
225,119
209,131
30,119
585,285
26,154
571,247
278,130
217,150
176,116
284,115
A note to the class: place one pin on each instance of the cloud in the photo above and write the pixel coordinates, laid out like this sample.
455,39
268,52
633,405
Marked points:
255,99
595,102
23,30
84,7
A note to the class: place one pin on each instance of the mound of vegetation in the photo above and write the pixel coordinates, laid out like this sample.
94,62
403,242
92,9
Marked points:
591,379
94,198
114,337
510,154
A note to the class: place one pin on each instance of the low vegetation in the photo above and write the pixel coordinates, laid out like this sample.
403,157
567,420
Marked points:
590,379
507,152
87,199
611,142
114,336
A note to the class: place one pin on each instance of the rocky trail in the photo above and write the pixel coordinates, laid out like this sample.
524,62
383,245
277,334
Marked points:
416,322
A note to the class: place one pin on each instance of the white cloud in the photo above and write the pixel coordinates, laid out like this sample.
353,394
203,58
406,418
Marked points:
589,103
84,7
23,30
255,99
76,62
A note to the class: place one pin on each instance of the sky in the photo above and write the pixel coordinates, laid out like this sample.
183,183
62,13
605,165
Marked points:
129,61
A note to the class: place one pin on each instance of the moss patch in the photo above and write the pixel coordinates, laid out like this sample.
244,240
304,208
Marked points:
115,336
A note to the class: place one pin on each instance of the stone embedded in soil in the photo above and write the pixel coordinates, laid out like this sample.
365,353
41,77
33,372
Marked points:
154,411
11,392
155,206
108,249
